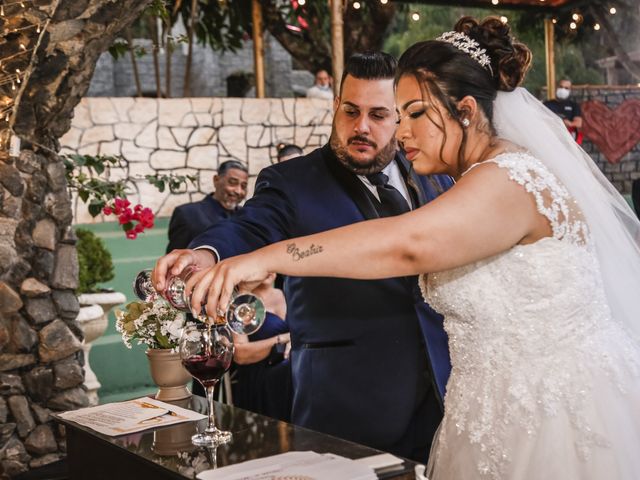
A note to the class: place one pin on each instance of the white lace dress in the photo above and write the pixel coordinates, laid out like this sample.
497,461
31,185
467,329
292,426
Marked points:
545,383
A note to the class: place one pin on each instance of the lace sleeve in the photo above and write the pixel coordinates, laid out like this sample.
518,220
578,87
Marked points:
552,198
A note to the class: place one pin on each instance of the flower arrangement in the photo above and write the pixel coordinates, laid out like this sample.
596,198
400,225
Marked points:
88,177
155,324
127,216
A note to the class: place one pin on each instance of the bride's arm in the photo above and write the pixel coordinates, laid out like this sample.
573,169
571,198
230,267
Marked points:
484,214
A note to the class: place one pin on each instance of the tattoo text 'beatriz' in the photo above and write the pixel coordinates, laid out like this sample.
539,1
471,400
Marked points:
297,254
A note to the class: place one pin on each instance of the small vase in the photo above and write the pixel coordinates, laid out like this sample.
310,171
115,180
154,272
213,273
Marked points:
168,374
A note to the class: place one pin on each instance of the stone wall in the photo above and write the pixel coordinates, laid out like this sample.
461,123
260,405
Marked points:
210,70
191,136
40,341
621,174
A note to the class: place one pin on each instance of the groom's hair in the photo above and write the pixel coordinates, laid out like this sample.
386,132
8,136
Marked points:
370,66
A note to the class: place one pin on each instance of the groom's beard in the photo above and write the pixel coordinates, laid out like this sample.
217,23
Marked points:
375,165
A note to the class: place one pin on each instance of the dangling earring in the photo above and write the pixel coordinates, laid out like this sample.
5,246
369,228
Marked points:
465,122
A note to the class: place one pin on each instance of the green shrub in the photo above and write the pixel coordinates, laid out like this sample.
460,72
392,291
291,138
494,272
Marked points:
94,260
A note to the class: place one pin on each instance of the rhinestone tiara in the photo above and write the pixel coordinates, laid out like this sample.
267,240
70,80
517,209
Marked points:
468,45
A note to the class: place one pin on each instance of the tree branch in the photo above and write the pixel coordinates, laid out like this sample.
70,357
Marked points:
623,57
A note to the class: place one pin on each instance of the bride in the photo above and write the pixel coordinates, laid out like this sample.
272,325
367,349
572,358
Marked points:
532,257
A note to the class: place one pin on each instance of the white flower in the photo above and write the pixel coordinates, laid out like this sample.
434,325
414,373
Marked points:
174,328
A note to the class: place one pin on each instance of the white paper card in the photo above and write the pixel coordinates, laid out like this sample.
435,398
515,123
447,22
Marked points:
303,465
131,416
377,462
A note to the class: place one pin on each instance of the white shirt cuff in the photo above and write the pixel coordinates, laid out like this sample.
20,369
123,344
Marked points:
211,249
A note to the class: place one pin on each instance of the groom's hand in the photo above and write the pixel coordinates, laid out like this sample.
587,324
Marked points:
177,260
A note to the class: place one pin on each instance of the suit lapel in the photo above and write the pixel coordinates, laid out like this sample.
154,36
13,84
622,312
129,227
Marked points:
214,208
351,184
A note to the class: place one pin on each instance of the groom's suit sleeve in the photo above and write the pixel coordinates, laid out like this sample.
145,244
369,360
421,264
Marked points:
266,218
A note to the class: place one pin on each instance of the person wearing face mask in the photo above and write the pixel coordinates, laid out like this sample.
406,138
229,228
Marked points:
567,109
322,87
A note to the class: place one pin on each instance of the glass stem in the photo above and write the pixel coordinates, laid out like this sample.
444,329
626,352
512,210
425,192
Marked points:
212,420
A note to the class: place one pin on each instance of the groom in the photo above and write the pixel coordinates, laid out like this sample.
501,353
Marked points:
369,358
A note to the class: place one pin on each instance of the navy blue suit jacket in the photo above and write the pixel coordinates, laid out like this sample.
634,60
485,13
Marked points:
191,219
358,359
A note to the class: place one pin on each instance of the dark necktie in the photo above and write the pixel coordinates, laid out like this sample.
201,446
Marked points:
392,201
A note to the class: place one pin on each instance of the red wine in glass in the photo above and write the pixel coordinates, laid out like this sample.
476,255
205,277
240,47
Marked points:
208,370
206,351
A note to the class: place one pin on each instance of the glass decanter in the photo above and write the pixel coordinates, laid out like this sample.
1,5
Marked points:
244,315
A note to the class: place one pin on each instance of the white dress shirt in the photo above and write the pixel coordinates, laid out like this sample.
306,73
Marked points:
395,180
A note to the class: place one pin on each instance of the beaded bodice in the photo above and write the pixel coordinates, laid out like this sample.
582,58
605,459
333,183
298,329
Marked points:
526,327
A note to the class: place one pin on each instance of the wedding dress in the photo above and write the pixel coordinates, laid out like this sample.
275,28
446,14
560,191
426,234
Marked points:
545,382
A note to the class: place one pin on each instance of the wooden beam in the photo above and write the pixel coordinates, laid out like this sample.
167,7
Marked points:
258,47
549,43
524,5
337,43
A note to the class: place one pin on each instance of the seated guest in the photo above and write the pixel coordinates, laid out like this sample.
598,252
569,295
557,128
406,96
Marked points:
263,372
191,219
568,110
322,87
287,151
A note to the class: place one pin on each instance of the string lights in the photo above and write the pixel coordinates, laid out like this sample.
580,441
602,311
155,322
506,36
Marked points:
576,19
22,26
573,22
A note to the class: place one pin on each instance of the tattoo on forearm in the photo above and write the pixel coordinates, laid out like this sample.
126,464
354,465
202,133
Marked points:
297,254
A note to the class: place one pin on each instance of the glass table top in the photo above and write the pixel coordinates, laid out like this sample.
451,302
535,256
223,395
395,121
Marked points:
254,436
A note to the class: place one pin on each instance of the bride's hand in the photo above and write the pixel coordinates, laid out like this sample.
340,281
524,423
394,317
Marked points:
216,284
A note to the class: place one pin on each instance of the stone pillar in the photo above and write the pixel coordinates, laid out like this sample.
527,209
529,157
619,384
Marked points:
40,342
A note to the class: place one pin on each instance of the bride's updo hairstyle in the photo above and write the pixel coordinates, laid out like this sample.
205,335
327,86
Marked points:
449,74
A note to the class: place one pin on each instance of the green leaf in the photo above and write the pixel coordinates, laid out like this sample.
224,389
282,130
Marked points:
118,49
95,209
162,340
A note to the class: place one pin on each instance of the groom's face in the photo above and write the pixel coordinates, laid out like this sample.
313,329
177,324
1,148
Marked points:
364,125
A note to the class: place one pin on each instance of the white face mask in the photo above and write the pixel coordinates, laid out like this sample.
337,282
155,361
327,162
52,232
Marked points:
563,93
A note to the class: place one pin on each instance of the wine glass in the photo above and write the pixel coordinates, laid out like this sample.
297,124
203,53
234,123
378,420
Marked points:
206,351
245,313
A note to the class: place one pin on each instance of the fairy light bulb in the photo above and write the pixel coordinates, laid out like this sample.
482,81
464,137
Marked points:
504,19
596,27
613,10
573,25
495,2
384,2
415,16
575,16
302,2
356,5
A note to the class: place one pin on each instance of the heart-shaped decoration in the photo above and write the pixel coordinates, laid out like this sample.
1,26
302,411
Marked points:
614,132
